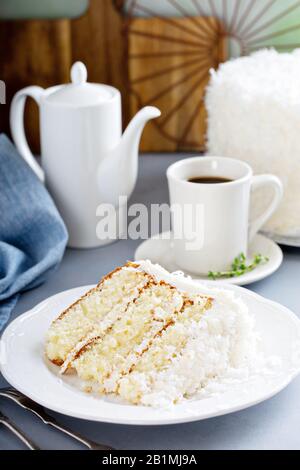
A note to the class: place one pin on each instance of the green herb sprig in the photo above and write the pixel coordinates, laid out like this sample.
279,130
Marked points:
239,267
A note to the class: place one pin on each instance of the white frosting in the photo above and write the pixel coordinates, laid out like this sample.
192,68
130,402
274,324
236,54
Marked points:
181,281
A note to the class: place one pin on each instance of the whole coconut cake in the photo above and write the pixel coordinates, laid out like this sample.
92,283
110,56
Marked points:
253,106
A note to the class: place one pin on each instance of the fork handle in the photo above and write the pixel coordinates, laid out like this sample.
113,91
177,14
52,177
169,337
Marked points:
17,432
47,419
91,445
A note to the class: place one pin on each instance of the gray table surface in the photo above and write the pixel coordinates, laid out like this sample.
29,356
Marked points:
273,424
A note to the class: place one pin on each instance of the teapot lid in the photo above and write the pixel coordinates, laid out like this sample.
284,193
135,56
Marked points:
79,92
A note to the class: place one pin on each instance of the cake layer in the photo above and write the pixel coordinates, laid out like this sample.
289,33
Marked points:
165,348
111,355
85,317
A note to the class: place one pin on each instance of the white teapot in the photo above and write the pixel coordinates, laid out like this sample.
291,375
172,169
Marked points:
85,159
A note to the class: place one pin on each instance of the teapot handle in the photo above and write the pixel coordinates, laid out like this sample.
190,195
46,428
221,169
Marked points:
17,126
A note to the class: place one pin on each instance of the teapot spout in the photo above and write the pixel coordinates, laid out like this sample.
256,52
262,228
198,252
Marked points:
129,145
132,135
117,173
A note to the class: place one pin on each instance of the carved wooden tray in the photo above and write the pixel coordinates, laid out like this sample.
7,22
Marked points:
171,71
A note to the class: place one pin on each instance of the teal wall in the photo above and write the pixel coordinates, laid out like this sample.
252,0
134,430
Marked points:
26,9
261,23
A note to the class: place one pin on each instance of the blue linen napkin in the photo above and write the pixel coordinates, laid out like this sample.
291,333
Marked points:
33,236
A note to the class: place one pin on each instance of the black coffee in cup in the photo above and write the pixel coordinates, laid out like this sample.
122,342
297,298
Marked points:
209,180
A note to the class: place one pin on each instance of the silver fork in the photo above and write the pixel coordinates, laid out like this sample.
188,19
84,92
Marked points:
17,432
39,411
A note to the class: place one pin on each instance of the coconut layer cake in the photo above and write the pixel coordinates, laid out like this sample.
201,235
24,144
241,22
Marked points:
150,337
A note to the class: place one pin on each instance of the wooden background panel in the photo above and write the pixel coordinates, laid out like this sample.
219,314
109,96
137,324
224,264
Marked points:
41,52
32,53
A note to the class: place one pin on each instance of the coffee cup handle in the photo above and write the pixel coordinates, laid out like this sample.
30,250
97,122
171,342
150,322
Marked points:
263,181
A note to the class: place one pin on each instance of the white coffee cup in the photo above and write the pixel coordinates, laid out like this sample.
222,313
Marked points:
211,221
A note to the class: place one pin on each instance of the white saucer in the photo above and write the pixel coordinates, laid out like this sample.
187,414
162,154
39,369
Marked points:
160,251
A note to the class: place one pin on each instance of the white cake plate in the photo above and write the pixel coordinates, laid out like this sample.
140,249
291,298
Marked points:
284,240
23,365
